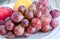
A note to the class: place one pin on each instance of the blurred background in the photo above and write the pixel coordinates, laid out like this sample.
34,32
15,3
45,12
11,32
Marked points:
53,3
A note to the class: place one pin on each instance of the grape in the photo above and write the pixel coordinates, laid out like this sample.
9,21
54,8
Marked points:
17,17
55,13
7,19
9,25
37,13
25,23
54,23
31,29
10,35
32,7
2,30
36,22
18,30
22,9
2,22
46,19
26,34
45,10
46,28
29,14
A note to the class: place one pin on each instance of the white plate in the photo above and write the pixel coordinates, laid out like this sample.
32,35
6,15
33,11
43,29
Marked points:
39,35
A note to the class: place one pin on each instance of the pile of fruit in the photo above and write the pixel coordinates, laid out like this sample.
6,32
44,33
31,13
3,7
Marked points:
26,21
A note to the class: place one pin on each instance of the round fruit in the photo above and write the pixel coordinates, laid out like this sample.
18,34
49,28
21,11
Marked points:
18,30
46,28
9,25
31,29
32,7
21,3
2,30
22,9
46,19
36,23
54,23
25,23
29,14
37,13
5,12
10,35
55,13
7,19
17,17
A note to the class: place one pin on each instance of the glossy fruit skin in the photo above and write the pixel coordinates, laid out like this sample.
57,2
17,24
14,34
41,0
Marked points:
7,19
32,7
46,19
37,13
18,30
22,9
25,23
54,23
55,13
36,22
29,14
10,35
31,29
9,25
5,12
46,28
17,17
2,30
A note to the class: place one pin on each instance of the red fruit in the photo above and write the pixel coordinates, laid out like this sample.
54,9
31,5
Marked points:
31,29
54,23
17,17
9,25
37,13
10,35
46,19
45,10
18,30
55,13
36,22
2,30
5,12
46,28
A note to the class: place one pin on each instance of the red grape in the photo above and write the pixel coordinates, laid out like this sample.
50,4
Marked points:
31,29
37,13
54,23
46,28
36,23
22,9
18,30
2,30
9,25
7,19
46,19
45,10
17,17
55,13
29,14
10,35
25,23
32,7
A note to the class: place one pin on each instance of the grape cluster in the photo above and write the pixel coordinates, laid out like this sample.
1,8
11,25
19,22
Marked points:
38,17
